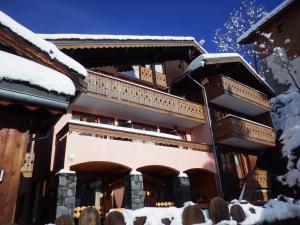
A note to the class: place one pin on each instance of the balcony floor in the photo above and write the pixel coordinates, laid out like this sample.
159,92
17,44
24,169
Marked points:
243,143
134,112
239,105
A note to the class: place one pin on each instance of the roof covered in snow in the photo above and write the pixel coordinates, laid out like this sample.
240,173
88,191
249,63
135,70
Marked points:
50,49
216,58
265,19
17,68
107,37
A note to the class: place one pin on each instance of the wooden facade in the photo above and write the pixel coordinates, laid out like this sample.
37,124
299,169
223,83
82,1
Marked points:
21,116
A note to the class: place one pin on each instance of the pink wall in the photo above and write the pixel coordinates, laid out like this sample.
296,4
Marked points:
134,155
201,134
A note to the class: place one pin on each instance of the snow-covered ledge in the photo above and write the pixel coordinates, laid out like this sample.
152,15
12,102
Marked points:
16,68
53,52
131,130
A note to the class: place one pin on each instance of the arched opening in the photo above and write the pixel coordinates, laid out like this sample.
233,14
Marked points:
203,186
100,184
158,185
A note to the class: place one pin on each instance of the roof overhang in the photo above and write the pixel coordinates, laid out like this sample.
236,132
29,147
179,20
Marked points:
82,41
247,37
225,63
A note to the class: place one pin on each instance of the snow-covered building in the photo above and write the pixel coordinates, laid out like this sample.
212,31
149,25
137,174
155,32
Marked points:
276,38
37,84
141,135
240,117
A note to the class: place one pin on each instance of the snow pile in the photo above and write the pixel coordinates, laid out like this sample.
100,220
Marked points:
41,44
286,118
155,215
281,208
16,68
200,60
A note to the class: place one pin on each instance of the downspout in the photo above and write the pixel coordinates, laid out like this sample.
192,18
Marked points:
218,180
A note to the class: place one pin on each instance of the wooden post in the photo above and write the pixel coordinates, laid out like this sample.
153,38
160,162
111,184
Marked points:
13,146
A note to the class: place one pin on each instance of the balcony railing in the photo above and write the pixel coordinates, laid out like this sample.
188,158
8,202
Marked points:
125,92
232,130
146,74
96,130
223,85
161,79
27,167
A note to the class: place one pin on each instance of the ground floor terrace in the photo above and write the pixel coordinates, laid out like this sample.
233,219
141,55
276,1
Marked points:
107,185
117,169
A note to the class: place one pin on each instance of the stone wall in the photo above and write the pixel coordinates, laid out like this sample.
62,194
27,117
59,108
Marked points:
134,192
66,191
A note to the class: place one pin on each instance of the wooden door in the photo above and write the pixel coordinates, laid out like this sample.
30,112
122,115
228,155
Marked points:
12,149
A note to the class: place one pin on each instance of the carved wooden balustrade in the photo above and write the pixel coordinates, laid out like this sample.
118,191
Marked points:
27,167
161,79
146,74
232,126
223,84
106,133
124,92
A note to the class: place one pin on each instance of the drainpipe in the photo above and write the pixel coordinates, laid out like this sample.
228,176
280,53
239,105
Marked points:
218,181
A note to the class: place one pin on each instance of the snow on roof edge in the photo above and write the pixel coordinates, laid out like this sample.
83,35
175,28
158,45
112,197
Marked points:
45,46
95,37
13,67
200,62
266,18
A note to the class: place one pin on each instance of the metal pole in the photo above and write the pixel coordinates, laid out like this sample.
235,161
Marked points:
219,183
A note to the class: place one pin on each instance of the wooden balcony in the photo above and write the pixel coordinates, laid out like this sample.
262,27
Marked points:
113,95
239,132
96,130
234,95
147,75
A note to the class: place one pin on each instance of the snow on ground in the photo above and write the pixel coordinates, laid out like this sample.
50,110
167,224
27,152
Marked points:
155,215
286,118
41,44
280,208
16,68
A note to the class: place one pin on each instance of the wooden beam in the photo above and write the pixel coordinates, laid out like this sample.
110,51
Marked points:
13,145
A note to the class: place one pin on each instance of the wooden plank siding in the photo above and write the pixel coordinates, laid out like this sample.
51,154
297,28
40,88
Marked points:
13,145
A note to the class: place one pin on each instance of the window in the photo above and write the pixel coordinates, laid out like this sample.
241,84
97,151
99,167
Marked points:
141,126
107,120
77,116
158,68
281,27
125,123
131,71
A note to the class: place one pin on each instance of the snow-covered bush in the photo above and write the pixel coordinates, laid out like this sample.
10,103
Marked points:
286,118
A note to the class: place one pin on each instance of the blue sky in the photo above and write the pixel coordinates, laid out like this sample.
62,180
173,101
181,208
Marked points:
197,18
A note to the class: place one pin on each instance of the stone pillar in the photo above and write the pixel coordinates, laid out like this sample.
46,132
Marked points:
134,191
182,189
66,190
